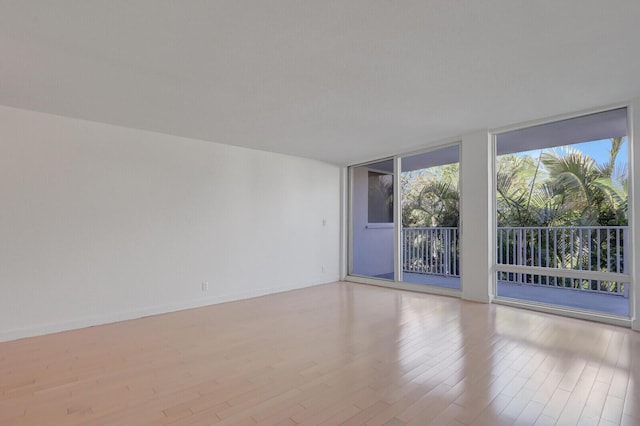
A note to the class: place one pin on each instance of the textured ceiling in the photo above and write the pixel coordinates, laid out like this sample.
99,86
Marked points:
339,81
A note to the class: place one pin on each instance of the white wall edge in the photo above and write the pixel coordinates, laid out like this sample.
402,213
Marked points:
344,224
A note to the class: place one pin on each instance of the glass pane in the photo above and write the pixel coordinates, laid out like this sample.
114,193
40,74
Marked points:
430,218
562,203
372,252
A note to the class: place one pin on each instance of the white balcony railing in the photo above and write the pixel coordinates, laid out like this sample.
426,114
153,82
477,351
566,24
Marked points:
431,251
602,249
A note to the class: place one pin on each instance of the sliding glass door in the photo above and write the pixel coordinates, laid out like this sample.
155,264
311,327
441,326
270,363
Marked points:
404,217
430,233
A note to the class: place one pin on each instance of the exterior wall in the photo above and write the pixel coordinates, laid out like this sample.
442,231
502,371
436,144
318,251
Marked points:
372,246
102,223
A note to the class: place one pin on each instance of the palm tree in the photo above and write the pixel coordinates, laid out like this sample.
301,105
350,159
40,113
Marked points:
591,193
431,198
515,181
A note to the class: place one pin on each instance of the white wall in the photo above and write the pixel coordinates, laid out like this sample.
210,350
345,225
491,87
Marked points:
100,223
372,247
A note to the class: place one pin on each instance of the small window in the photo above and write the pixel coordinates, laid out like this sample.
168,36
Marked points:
380,198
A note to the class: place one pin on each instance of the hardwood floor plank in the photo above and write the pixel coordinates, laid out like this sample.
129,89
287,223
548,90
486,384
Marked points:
333,354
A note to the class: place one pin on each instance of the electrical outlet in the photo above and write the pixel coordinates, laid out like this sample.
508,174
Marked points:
322,268
205,286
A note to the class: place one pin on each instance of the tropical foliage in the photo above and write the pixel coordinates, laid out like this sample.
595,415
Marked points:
558,187
562,187
431,197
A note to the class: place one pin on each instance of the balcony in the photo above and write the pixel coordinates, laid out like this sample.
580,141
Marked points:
431,256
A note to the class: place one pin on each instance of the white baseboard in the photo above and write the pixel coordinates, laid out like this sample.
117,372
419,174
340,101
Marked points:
50,328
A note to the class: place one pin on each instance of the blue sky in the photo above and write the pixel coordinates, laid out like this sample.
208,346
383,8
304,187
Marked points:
598,150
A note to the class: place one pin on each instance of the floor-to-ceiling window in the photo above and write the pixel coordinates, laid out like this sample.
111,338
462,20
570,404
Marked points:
430,201
562,235
558,236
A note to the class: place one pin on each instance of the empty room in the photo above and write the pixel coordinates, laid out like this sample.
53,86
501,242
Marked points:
299,212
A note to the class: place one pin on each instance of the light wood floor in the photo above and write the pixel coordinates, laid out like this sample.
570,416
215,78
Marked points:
333,354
